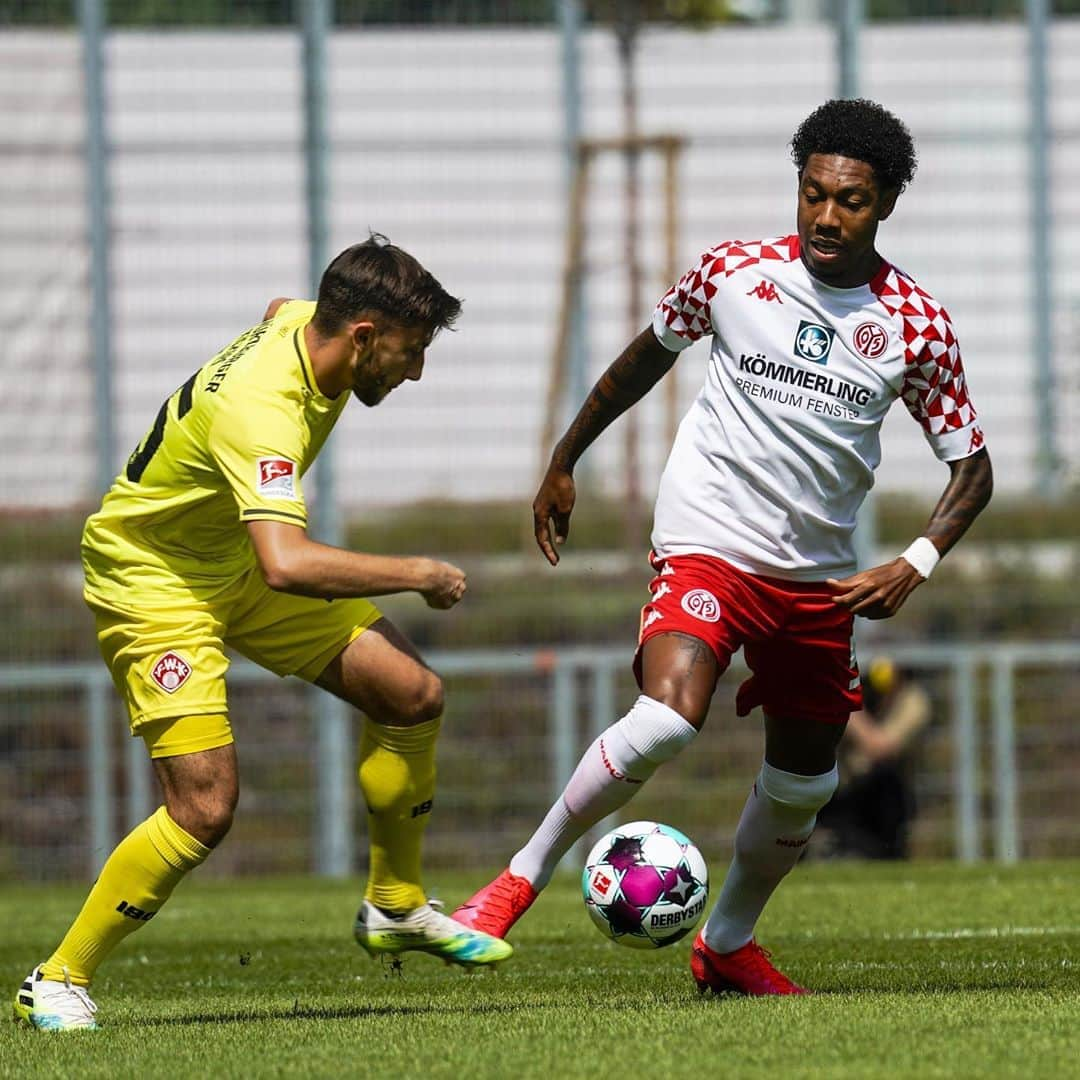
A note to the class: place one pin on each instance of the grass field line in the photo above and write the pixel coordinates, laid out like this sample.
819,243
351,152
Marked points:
980,932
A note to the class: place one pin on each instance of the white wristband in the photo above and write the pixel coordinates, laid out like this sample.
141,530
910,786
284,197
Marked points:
922,555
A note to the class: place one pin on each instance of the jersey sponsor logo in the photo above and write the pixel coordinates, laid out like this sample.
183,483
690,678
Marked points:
759,364
277,478
813,341
870,340
765,291
702,605
170,672
977,439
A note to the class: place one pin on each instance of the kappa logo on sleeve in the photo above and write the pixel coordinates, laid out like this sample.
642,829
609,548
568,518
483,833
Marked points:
276,478
171,672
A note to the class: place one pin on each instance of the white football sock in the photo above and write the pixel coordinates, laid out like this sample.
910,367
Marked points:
773,831
608,775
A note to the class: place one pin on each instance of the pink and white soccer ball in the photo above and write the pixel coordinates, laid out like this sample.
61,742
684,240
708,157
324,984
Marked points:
645,885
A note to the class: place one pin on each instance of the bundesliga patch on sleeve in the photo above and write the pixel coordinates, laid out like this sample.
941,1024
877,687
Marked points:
276,478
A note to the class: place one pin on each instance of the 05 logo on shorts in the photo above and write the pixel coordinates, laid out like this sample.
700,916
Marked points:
170,672
702,605
277,478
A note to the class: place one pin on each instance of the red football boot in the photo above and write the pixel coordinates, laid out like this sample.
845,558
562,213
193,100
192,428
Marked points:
498,905
744,971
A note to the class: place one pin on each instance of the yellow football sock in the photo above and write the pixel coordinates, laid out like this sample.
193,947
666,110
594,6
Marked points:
397,778
135,881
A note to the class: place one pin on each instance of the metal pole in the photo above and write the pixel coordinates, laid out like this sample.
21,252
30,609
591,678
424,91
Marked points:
849,19
1047,461
563,745
569,14
333,731
1006,823
627,31
966,749
91,26
139,796
99,769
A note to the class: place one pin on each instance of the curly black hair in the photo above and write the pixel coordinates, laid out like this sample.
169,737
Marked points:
862,130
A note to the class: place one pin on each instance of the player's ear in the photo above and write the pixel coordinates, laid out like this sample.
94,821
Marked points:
362,334
888,202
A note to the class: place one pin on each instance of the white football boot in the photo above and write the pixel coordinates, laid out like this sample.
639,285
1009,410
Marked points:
53,1006
426,929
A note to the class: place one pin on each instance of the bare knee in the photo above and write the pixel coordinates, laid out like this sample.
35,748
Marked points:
206,815
201,791
689,701
423,702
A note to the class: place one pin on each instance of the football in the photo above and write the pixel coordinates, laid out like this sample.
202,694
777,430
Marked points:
645,885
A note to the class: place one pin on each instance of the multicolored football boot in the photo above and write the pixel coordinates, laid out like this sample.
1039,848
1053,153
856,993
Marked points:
425,929
53,1006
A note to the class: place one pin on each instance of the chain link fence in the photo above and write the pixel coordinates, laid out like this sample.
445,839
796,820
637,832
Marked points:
446,129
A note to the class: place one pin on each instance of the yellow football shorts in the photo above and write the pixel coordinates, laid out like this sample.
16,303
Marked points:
168,660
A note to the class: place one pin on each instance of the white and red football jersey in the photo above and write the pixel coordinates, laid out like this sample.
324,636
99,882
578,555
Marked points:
778,451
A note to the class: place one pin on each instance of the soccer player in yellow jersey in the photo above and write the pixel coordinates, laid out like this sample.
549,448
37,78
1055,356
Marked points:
201,544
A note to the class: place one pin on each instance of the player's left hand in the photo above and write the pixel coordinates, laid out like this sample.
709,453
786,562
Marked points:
877,593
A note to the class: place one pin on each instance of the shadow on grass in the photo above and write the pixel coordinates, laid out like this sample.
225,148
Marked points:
348,1012
943,989
946,988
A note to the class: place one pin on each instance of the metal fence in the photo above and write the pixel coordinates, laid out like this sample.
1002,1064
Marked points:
992,774
154,196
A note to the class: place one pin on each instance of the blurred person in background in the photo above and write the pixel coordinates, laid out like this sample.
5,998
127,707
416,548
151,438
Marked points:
201,543
814,336
870,814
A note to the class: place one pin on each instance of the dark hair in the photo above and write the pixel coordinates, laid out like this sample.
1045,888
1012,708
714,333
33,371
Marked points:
377,278
862,130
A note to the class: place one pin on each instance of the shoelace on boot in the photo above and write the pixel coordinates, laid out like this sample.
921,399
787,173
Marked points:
79,992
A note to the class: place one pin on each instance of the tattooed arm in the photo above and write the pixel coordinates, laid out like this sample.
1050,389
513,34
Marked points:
881,591
970,487
640,366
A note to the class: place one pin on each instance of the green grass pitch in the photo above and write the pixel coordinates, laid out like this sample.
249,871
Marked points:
921,970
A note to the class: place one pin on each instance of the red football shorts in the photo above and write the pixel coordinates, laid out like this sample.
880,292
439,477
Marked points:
797,643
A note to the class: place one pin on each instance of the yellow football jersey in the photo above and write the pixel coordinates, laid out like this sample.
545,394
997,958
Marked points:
228,447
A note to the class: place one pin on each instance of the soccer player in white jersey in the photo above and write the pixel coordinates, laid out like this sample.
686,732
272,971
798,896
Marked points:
201,543
813,337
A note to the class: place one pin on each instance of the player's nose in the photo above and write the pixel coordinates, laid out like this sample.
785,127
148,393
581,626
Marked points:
827,217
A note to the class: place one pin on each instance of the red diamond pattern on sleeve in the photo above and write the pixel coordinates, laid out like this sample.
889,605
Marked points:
934,388
685,308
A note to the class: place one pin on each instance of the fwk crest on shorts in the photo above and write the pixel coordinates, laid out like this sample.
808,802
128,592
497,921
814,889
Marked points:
796,641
